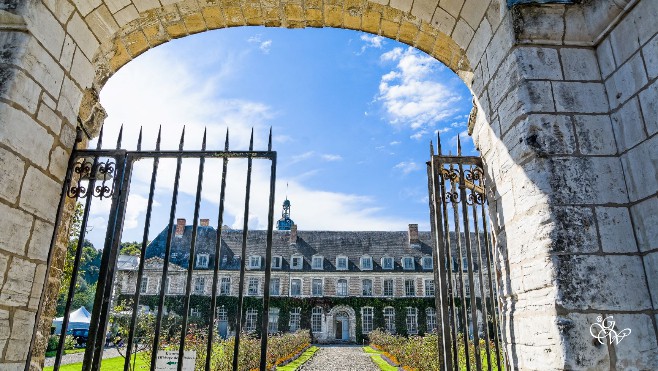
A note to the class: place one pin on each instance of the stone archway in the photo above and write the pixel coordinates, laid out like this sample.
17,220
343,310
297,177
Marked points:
341,324
552,85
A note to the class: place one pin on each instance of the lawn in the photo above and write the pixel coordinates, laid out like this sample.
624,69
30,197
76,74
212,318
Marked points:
292,366
109,364
379,361
53,353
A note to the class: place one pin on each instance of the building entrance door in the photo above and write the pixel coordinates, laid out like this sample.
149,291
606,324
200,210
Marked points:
342,327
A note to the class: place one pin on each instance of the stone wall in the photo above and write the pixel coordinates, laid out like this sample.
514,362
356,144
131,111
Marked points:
566,100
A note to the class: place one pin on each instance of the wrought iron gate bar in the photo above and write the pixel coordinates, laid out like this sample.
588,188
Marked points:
457,183
190,265
165,264
218,244
147,227
138,155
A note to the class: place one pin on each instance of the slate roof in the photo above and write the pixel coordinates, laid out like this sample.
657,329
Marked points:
328,244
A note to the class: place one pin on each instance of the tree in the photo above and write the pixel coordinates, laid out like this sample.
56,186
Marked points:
130,248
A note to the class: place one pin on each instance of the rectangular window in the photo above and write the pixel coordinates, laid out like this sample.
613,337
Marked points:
317,262
388,287
297,262
467,288
429,287
387,262
430,314
295,287
273,321
366,314
195,312
367,287
295,318
412,320
251,320
366,263
202,261
276,262
389,320
222,313
254,262
275,283
408,263
225,286
199,285
143,286
317,287
428,263
341,263
316,319
409,287
341,287
252,289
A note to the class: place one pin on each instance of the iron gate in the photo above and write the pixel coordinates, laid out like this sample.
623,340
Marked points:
106,174
466,298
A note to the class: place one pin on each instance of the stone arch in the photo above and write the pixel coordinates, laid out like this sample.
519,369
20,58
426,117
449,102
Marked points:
547,79
331,321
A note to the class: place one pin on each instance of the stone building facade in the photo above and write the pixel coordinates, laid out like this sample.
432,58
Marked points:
566,98
389,268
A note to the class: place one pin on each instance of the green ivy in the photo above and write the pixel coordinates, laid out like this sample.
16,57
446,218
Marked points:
306,304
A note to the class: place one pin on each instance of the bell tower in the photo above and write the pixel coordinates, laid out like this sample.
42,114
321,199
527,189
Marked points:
285,223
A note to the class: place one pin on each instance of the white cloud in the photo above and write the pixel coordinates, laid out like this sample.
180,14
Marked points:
302,156
407,167
395,143
263,45
371,41
410,95
330,157
418,135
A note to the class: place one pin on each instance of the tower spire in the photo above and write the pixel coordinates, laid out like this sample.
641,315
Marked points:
285,223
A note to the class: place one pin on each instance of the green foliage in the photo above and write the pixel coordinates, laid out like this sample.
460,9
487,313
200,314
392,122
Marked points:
130,248
294,365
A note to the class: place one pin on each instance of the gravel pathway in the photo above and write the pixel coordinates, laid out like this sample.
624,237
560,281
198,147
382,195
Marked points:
340,358
78,357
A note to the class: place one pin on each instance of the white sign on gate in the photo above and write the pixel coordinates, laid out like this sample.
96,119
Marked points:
168,360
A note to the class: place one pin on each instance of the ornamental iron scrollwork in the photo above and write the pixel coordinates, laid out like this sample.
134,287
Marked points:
88,171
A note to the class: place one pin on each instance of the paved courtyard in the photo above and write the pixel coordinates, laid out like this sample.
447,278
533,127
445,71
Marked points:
340,358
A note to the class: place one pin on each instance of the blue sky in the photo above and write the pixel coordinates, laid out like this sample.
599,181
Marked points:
352,116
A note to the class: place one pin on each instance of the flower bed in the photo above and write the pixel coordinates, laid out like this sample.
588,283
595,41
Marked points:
417,353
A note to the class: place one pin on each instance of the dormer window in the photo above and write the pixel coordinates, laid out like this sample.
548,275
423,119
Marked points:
202,260
341,263
464,264
387,262
317,262
297,262
408,263
277,262
366,263
254,262
428,263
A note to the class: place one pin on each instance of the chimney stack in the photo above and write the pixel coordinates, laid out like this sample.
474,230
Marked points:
180,227
205,222
293,234
414,241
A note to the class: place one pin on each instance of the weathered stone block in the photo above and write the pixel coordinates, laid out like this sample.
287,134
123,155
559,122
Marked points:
595,135
61,9
626,81
4,260
23,135
424,9
639,349
473,12
83,36
650,55
144,5
443,21
45,28
68,49
69,102
452,6
581,351
651,266
21,333
42,67
116,5
12,169
645,220
40,194
541,135
462,34
628,125
606,58
606,283
525,98
102,24
40,240
480,41
624,40
37,287
615,230
86,6
48,118
644,17
649,103
538,63
82,70
403,5
21,90
18,284
579,64
5,325
580,97
639,170
15,228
